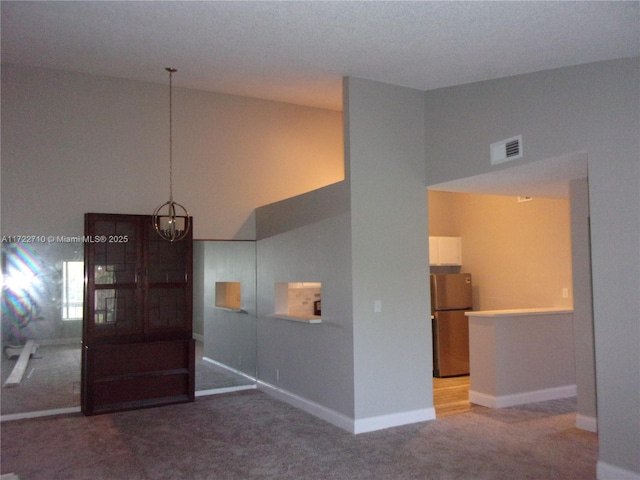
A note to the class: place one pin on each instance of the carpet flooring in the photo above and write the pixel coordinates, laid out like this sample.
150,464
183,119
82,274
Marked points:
52,379
250,435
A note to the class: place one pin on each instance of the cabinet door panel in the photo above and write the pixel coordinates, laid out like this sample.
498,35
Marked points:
450,252
167,262
445,251
113,299
135,392
117,360
168,309
115,312
115,251
138,349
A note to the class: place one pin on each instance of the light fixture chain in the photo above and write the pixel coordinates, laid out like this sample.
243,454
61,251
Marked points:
171,70
171,220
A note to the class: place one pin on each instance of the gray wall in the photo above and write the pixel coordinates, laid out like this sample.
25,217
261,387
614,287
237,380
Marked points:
301,210
384,159
507,371
314,361
198,289
372,368
592,108
66,138
229,336
582,300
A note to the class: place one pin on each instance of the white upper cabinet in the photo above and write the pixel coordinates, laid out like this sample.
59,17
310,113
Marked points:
445,251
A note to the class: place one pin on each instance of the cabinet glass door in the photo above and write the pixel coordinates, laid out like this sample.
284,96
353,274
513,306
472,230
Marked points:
113,273
137,345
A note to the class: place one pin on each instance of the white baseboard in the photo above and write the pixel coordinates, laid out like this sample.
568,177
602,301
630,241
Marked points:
218,391
315,409
41,413
344,422
609,472
584,422
229,369
521,398
394,420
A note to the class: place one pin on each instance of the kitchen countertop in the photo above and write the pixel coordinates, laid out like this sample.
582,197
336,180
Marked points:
517,312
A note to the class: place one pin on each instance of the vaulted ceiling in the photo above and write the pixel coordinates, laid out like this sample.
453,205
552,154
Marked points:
298,51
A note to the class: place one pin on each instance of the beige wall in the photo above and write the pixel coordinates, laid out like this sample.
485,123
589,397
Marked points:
519,253
74,143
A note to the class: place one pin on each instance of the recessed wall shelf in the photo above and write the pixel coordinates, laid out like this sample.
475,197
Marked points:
282,316
228,296
298,301
236,310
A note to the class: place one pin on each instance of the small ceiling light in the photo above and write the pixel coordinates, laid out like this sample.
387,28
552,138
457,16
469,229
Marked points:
171,220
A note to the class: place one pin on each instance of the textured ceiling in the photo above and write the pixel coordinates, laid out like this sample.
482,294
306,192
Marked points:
298,51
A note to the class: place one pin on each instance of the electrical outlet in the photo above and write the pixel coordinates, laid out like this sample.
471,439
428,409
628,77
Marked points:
377,306
565,292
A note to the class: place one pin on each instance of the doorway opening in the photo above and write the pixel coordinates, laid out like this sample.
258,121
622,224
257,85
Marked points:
519,252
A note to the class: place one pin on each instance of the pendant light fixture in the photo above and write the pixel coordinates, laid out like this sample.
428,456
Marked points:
171,220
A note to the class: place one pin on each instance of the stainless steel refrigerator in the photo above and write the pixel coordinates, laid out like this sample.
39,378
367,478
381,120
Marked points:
451,296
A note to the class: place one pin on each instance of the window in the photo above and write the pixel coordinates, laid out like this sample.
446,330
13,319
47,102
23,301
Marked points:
72,290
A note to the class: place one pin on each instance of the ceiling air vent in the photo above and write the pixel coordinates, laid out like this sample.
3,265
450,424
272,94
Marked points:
506,150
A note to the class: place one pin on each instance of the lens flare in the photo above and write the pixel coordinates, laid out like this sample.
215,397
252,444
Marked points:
22,290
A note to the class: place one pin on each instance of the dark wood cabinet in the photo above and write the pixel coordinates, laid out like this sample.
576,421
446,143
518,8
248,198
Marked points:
138,349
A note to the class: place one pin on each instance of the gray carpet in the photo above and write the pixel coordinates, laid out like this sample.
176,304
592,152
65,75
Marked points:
210,377
52,379
249,435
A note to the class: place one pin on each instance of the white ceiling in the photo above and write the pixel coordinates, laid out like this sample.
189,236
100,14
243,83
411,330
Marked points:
298,51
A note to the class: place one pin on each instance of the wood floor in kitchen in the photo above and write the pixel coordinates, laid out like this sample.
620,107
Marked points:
451,395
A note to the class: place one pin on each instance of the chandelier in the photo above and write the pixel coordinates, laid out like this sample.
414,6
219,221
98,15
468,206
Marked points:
171,220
